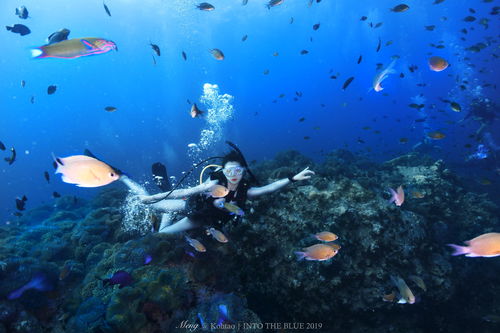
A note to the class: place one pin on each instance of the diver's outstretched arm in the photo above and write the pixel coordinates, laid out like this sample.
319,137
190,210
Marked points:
256,191
133,186
181,193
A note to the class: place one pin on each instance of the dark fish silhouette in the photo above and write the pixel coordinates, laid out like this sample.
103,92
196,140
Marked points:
347,83
155,48
110,108
20,203
51,89
19,29
184,56
32,100
316,26
106,9
58,36
12,157
379,44
56,195
2,146
205,6
360,59
22,12
47,177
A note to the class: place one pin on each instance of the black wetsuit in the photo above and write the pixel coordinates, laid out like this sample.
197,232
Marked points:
201,209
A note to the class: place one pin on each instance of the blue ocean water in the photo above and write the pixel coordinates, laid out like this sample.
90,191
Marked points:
279,97
152,122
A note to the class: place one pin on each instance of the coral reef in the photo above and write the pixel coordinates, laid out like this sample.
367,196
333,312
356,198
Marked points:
77,244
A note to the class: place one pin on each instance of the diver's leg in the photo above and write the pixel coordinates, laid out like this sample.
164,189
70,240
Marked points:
182,225
133,186
170,205
166,220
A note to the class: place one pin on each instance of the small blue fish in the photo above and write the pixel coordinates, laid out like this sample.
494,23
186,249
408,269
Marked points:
39,282
121,278
147,259
223,315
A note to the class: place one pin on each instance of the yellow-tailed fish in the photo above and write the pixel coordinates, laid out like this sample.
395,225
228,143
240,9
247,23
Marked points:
405,292
233,209
196,244
74,48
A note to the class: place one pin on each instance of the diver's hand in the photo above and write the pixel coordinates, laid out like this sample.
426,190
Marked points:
219,203
304,174
209,184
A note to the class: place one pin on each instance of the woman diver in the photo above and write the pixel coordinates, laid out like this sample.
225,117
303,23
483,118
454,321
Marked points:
203,209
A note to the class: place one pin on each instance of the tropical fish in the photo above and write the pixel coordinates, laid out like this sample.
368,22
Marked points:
274,3
19,29
455,107
217,54
195,112
377,81
184,56
205,6
360,59
39,282
400,8
405,292
398,196
85,171
318,252
379,44
419,282
218,235
233,209
436,135
303,52
22,12
12,157
121,278
155,48
20,202
486,245
110,108
196,244
347,83
316,26
437,64
326,236
106,9
51,89
58,36
244,38
219,191
74,48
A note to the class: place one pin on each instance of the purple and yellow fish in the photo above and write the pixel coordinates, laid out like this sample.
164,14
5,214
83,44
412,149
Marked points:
74,48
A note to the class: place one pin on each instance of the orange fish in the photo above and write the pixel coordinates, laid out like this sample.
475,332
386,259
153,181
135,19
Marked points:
397,197
219,236
436,135
486,245
326,236
319,252
196,244
85,171
195,112
437,64
219,191
390,297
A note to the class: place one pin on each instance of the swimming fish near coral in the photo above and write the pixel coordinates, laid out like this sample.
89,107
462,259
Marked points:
217,235
85,171
384,74
121,278
196,244
407,296
419,282
318,252
486,245
39,282
74,48
233,209
326,236
398,196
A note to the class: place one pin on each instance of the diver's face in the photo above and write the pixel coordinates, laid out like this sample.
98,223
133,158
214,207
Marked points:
233,172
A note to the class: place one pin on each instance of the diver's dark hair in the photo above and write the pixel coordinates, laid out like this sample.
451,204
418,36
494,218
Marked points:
233,156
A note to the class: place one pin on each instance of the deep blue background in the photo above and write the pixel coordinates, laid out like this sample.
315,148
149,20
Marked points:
153,123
